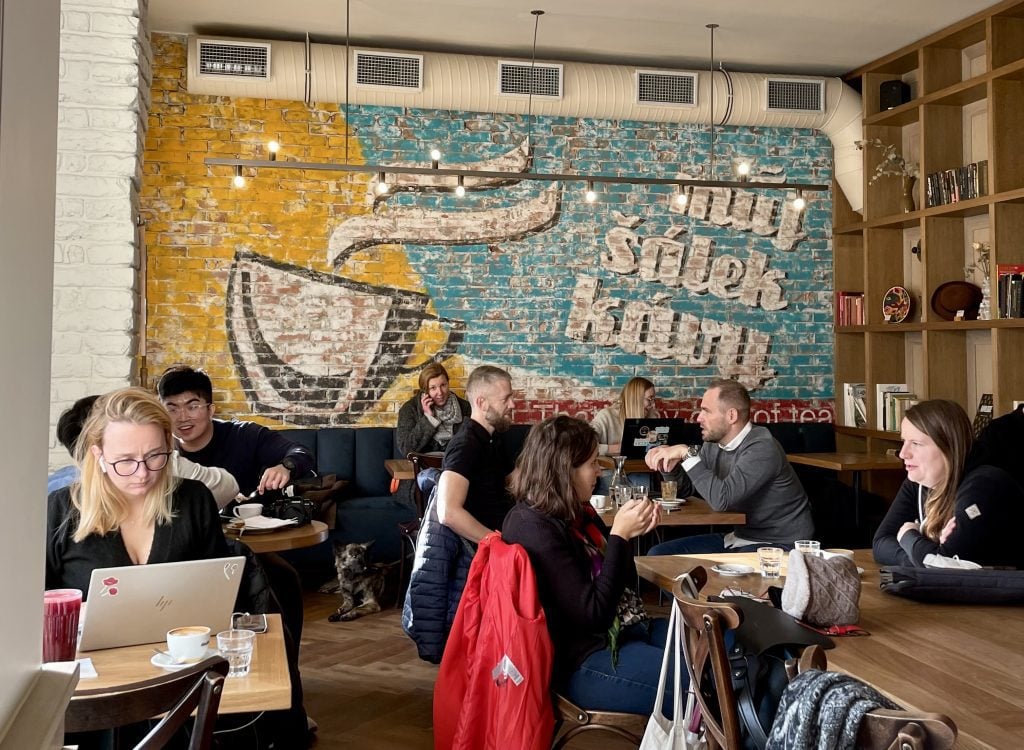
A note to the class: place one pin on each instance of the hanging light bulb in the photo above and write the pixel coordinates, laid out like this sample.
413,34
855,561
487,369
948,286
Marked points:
799,203
239,180
460,188
382,185
273,147
743,169
590,195
435,158
681,196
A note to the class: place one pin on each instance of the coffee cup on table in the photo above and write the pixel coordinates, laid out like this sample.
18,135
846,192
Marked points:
188,644
247,510
600,502
837,552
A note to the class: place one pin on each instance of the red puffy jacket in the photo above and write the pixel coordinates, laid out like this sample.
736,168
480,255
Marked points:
493,687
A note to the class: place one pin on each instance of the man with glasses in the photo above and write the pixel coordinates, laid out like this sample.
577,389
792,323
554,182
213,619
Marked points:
219,481
259,458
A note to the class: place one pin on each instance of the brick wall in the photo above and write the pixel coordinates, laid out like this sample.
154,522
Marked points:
104,92
311,301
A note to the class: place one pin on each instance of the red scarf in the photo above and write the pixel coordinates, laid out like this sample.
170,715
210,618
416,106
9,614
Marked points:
585,529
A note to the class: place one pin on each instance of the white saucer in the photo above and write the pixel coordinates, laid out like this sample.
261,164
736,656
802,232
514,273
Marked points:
672,504
163,661
732,569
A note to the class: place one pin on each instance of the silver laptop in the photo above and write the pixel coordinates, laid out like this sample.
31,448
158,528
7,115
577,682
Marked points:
140,603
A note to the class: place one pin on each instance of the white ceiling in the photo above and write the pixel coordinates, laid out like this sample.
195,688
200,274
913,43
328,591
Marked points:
823,37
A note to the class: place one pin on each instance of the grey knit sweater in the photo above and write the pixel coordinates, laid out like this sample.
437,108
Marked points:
755,479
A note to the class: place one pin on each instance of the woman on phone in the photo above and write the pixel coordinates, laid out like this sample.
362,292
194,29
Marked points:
949,505
607,651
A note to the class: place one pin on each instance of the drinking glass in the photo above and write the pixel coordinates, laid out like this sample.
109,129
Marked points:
623,494
770,559
808,547
236,647
668,489
60,624
640,492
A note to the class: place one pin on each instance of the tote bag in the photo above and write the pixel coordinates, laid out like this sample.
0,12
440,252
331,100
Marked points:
674,734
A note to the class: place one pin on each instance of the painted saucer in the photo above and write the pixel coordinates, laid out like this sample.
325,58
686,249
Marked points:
732,569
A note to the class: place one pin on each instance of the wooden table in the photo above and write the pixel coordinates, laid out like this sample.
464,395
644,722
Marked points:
695,512
289,537
964,661
399,468
854,462
267,687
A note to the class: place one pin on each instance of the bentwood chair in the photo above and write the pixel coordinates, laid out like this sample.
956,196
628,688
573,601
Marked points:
408,530
196,688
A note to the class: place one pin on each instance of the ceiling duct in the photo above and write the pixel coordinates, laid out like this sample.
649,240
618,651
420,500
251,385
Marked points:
390,69
471,83
794,94
514,79
233,59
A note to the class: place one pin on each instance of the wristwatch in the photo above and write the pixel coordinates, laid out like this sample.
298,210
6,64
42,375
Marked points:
288,463
693,451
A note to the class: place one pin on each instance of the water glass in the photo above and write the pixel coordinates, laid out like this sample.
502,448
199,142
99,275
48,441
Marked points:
60,624
770,559
236,647
808,547
641,492
623,494
668,489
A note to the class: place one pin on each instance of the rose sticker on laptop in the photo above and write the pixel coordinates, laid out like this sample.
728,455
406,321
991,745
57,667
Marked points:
109,586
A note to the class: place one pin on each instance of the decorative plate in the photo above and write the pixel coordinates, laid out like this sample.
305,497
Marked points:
953,296
896,305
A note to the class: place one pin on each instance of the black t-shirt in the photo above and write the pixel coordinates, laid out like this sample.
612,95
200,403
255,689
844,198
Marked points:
476,454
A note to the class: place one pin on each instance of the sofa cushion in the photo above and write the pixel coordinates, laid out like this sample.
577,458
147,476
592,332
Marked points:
336,452
373,446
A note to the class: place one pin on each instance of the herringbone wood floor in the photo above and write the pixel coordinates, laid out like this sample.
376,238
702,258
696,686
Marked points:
367,688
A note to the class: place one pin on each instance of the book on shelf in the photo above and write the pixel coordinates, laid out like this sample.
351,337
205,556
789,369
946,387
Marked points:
958,184
1010,288
849,308
855,407
896,406
882,396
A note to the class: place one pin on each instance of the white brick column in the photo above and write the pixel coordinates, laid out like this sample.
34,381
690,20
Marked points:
105,74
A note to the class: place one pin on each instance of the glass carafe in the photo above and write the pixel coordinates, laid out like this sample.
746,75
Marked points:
620,488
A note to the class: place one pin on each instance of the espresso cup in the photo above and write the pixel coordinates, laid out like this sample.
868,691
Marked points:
247,510
600,502
188,644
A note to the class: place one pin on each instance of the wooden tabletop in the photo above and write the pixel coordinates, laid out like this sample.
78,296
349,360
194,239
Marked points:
965,661
846,461
695,512
399,468
267,687
289,537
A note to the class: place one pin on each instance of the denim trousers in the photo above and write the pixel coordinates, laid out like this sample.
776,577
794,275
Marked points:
632,683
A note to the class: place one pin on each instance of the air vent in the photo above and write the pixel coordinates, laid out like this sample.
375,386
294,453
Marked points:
515,79
389,70
794,95
235,59
665,87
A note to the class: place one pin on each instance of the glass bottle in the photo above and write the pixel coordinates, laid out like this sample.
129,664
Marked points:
620,483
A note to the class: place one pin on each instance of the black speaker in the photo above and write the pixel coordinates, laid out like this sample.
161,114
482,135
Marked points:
892,94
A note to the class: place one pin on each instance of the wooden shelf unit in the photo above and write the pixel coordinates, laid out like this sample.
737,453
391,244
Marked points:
967,88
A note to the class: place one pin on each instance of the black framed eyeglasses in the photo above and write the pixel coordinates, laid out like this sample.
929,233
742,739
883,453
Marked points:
127,467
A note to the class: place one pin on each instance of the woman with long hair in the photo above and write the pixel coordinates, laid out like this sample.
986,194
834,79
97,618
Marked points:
636,401
949,505
127,508
607,651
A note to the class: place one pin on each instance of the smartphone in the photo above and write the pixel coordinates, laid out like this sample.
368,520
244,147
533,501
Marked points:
245,621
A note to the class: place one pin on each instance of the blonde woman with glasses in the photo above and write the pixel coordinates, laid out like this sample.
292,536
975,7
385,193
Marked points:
636,401
127,507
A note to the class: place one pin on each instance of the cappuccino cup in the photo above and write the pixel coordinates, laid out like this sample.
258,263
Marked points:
188,644
247,510
600,502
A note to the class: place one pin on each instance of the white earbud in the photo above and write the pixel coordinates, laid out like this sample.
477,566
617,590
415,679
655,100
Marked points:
103,465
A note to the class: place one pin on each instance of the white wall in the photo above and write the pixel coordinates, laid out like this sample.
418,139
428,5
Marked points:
28,135
105,80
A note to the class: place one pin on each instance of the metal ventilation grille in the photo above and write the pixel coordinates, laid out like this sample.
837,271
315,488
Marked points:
515,79
238,59
666,88
795,95
390,70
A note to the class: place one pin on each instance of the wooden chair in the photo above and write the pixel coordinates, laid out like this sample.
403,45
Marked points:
196,688
408,530
705,643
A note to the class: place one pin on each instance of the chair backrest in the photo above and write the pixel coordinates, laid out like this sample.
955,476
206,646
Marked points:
705,645
196,688
885,729
419,462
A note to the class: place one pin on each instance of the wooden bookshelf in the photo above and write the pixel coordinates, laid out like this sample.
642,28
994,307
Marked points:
967,88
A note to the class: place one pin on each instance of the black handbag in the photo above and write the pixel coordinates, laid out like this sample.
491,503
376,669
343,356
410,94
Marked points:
954,585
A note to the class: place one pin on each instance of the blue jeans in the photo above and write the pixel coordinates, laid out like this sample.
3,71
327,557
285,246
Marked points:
695,545
632,684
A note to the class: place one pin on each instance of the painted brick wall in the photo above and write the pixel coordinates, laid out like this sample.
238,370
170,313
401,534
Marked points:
104,92
310,300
